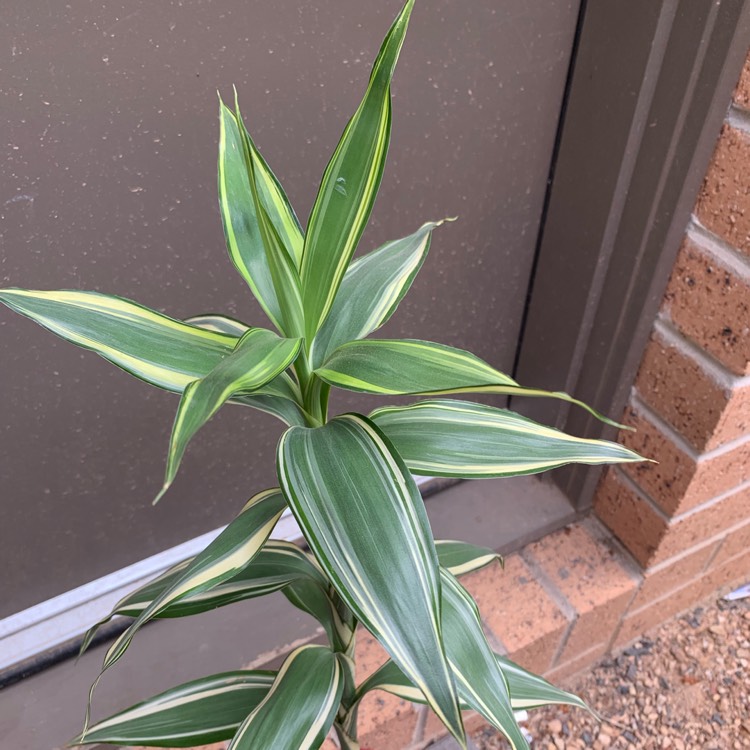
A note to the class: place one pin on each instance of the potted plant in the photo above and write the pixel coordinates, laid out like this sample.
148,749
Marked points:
372,560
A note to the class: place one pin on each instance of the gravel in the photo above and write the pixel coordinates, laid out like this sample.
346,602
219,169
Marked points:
686,686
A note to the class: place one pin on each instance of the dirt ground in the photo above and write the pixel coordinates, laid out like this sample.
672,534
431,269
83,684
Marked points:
686,687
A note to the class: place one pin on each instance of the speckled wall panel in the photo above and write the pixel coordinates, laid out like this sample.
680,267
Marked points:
109,183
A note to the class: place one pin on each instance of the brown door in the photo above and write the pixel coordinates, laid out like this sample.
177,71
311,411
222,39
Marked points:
109,184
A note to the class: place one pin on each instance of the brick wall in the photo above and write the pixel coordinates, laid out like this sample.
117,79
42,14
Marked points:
686,520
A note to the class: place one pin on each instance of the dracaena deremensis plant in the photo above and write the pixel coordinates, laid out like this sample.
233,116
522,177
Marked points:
370,558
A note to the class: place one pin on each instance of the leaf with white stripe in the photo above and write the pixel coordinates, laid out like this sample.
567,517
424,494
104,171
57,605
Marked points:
210,709
258,358
219,323
280,397
232,551
371,290
460,558
349,185
160,350
460,439
281,264
241,226
527,690
273,198
153,347
300,707
481,683
277,565
365,521
409,366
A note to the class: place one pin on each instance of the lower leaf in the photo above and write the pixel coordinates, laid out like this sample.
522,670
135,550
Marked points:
210,709
300,707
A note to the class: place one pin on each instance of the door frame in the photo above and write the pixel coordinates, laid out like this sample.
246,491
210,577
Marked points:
638,130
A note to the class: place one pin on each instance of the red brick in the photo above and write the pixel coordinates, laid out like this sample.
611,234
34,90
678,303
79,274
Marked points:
646,618
633,521
434,729
724,202
711,305
648,536
672,576
742,92
377,707
679,482
518,612
368,654
591,578
676,387
735,543
668,481
393,734
733,571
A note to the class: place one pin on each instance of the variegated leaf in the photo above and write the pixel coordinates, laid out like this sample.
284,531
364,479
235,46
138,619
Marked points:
461,439
273,198
232,551
276,566
481,683
527,690
220,324
280,397
364,519
241,227
371,290
300,707
258,358
349,186
210,709
281,263
153,347
409,366
460,558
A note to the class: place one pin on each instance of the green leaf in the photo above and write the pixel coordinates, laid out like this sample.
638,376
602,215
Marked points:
409,366
220,324
276,566
529,690
198,712
300,706
461,439
241,225
153,347
232,551
273,198
371,290
364,519
460,558
281,264
309,596
349,185
481,683
258,358
280,397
